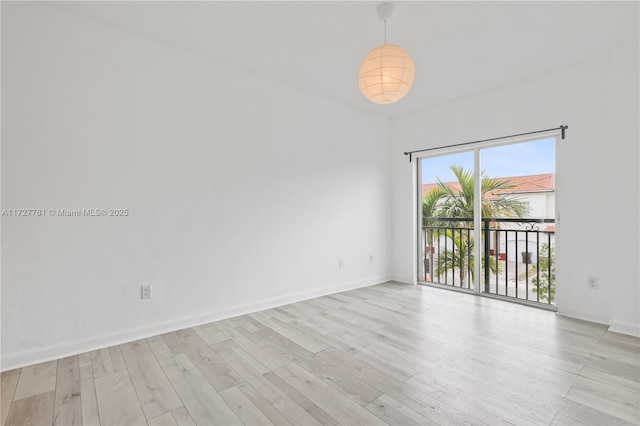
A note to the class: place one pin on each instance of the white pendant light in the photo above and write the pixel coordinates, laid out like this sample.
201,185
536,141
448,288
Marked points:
387,72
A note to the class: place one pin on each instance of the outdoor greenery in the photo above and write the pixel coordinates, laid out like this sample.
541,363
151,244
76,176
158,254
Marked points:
457,201
449,260
447,201
547,276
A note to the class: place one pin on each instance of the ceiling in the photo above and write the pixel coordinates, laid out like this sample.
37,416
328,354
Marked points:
459,48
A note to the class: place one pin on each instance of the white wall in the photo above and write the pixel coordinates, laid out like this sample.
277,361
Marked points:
539,205
622,192
243,193
596,182
550,204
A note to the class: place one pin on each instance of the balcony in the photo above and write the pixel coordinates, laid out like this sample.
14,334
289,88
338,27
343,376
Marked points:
518,257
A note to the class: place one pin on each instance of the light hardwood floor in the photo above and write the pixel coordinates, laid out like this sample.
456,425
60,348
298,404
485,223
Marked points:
387,354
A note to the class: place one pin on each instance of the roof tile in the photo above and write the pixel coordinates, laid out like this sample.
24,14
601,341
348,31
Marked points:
530,183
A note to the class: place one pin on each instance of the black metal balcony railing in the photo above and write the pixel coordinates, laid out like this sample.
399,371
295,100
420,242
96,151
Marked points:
518,258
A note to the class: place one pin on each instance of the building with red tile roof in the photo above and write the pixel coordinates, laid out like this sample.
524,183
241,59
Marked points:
521,184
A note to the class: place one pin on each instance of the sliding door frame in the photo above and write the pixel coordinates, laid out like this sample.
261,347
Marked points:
555,134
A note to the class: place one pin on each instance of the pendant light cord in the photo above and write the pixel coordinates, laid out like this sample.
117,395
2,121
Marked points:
385,31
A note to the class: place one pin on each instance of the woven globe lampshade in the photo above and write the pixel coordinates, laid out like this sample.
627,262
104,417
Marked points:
386,74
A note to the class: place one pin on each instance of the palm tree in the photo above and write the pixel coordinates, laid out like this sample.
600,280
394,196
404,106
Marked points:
449,260
430,203
457,201
454,202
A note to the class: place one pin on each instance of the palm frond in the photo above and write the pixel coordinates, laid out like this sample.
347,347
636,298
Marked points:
429,204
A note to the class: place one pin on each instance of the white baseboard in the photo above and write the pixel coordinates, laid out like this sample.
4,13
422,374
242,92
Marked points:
403,280
584,316
20,359
623,327
615,326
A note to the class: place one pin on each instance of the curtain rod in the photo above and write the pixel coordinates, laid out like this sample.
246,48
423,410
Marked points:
562,129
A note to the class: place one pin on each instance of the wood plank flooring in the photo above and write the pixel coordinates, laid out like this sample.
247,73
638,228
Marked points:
388,354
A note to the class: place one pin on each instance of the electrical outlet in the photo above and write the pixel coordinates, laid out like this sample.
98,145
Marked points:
340,263
145,291
592,283
370,258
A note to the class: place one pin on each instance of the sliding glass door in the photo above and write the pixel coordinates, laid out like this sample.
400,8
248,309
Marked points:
487,220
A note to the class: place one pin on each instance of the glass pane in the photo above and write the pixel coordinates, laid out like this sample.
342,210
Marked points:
446,237
518,211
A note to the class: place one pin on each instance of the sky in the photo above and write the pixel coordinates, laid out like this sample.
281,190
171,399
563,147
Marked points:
527,158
